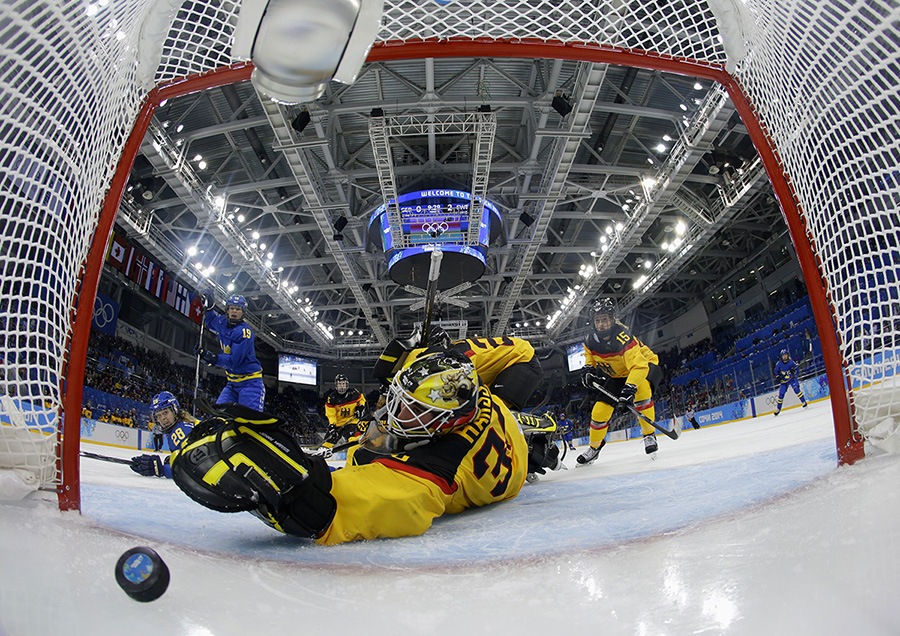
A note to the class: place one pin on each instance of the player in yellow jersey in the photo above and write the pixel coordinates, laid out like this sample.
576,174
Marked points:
345,410
626,368
443,444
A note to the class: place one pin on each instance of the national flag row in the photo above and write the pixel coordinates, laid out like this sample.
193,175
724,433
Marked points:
145,272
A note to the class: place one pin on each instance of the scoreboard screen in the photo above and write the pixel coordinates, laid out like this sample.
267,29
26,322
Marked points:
429,219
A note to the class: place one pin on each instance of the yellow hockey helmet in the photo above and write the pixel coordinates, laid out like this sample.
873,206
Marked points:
432,396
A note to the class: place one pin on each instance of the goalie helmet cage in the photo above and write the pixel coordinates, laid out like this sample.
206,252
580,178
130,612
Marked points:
815,81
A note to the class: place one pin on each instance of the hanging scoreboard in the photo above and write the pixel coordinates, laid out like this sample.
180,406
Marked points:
429,219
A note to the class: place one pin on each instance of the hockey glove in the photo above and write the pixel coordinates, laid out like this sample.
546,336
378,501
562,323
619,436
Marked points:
438,338
626,398
592,377
147,465
206,355
323,451
208,301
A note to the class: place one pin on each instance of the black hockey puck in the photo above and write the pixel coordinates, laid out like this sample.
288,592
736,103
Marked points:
142,574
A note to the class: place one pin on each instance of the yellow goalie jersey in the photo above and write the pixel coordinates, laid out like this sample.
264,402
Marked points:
493,355
398,495
620,356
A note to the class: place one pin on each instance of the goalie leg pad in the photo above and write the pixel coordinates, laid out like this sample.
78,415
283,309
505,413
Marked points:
258,468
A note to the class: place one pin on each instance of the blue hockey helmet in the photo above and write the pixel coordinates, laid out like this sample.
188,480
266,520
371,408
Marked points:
162,401
784,352
236,300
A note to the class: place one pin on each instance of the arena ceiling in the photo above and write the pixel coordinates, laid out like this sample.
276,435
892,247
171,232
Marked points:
648,190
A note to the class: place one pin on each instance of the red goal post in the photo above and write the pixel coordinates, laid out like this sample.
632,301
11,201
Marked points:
815,82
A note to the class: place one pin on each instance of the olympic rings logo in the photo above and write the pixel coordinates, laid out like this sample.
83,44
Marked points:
123,435
435,229
103,313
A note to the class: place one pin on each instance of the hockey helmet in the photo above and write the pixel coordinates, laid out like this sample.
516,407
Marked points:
434,395
603,307
784,352
238,301
341,383
162,401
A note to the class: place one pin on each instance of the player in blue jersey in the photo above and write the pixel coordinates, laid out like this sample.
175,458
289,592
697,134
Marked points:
786,373
244,372
175,424
564,425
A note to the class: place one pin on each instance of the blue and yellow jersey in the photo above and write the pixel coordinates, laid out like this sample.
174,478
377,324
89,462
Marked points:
621,355
238,356
173,441
786,371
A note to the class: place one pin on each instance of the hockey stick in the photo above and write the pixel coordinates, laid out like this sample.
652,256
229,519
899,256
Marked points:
197,372
105,458
434,273
673,434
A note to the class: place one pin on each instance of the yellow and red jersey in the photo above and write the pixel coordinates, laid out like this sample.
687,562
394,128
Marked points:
397,495
621,355
490,356
340,410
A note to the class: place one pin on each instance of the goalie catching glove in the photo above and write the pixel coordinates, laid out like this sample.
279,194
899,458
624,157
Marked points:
249,462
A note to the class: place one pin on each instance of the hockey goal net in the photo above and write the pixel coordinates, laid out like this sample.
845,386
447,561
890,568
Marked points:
816,82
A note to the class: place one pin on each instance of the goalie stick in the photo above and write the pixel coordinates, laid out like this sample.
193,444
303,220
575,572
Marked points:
673,434
434,273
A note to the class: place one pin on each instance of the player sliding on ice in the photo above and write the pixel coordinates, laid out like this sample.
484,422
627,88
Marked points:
786,373
175,424
626,373
443,443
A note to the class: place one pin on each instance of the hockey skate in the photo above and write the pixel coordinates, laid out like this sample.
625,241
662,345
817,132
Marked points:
590,455
777,411
650,445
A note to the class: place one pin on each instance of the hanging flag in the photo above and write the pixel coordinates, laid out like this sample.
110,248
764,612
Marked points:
182,300
196,308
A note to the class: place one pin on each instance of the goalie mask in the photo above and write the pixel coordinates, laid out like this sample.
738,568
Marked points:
432,396
164,410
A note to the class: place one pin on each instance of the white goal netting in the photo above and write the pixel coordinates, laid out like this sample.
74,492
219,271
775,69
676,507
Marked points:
821,75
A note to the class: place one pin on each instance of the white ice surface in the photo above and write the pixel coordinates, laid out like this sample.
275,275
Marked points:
745,528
